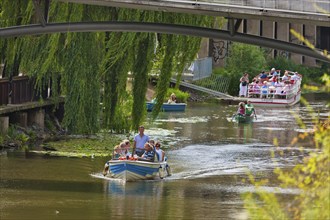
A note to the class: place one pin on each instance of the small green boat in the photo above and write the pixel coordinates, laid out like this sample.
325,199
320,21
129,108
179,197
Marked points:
243,118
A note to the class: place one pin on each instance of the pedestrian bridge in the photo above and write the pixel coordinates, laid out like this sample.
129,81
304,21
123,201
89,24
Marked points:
300,11
316,12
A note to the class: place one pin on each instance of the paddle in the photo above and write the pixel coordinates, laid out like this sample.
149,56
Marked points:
255,114
232,118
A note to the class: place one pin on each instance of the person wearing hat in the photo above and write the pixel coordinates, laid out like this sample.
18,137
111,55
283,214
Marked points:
139,140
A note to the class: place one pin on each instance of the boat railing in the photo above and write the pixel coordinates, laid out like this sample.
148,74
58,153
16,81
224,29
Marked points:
277,91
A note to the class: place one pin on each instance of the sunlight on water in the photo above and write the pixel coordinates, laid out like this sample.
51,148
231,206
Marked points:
186,120
265,118
272,128
307,130
251,188
198,161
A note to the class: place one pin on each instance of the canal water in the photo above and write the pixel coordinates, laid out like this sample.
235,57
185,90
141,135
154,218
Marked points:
209,156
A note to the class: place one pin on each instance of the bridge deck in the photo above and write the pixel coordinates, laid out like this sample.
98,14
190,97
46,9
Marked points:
203,89
302,11
10,108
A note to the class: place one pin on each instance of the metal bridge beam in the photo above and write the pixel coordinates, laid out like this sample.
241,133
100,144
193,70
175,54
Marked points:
233,27
41,16
159,28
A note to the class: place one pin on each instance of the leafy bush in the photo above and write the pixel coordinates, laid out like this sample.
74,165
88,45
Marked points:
243,58
309,73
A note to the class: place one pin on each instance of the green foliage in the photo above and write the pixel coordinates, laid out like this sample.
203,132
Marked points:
310,74
312,178
97,146
166,72
218,71
16,136
142,67
89,65
243,58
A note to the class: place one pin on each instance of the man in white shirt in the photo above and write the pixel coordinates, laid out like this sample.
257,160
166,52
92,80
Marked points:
139,140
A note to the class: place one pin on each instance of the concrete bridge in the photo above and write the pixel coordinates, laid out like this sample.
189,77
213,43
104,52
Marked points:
314,12
304,12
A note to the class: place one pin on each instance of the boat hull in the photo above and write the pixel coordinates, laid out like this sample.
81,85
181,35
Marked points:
276,102
177,107
243,119
135,170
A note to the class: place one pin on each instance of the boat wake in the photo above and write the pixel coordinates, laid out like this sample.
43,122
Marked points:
200,161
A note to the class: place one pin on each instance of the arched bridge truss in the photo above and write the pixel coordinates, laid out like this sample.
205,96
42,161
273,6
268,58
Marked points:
116,26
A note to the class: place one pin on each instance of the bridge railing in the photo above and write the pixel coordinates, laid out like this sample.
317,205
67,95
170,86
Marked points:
289,5
202,68
214,82
4,91
20,89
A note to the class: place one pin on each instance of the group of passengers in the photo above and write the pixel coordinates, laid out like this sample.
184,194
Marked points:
268,83
144,149
246,109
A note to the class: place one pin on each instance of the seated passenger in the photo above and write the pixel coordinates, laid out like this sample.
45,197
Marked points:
295,77
159,152
149,154
249,109
254,88
264,89
116,152
273,80
241,109
263,75
161,157
125,148
273,72
172,99
286,76
286,89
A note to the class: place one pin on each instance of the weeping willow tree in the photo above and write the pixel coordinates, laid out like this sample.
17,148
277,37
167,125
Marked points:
94,67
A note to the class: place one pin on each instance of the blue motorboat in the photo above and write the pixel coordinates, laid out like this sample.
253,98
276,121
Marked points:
175,107
133,170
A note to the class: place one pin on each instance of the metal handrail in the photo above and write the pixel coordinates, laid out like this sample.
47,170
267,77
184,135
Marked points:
296,6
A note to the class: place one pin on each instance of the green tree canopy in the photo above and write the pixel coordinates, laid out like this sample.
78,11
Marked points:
94,67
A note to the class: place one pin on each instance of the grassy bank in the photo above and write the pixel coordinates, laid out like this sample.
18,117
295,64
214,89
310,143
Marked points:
79,146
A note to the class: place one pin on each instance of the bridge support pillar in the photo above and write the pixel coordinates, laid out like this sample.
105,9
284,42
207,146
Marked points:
19,118
297,58
37,116
268,31
310,34
4,124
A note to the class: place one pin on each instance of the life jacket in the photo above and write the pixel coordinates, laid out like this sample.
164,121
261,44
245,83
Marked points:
248,109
